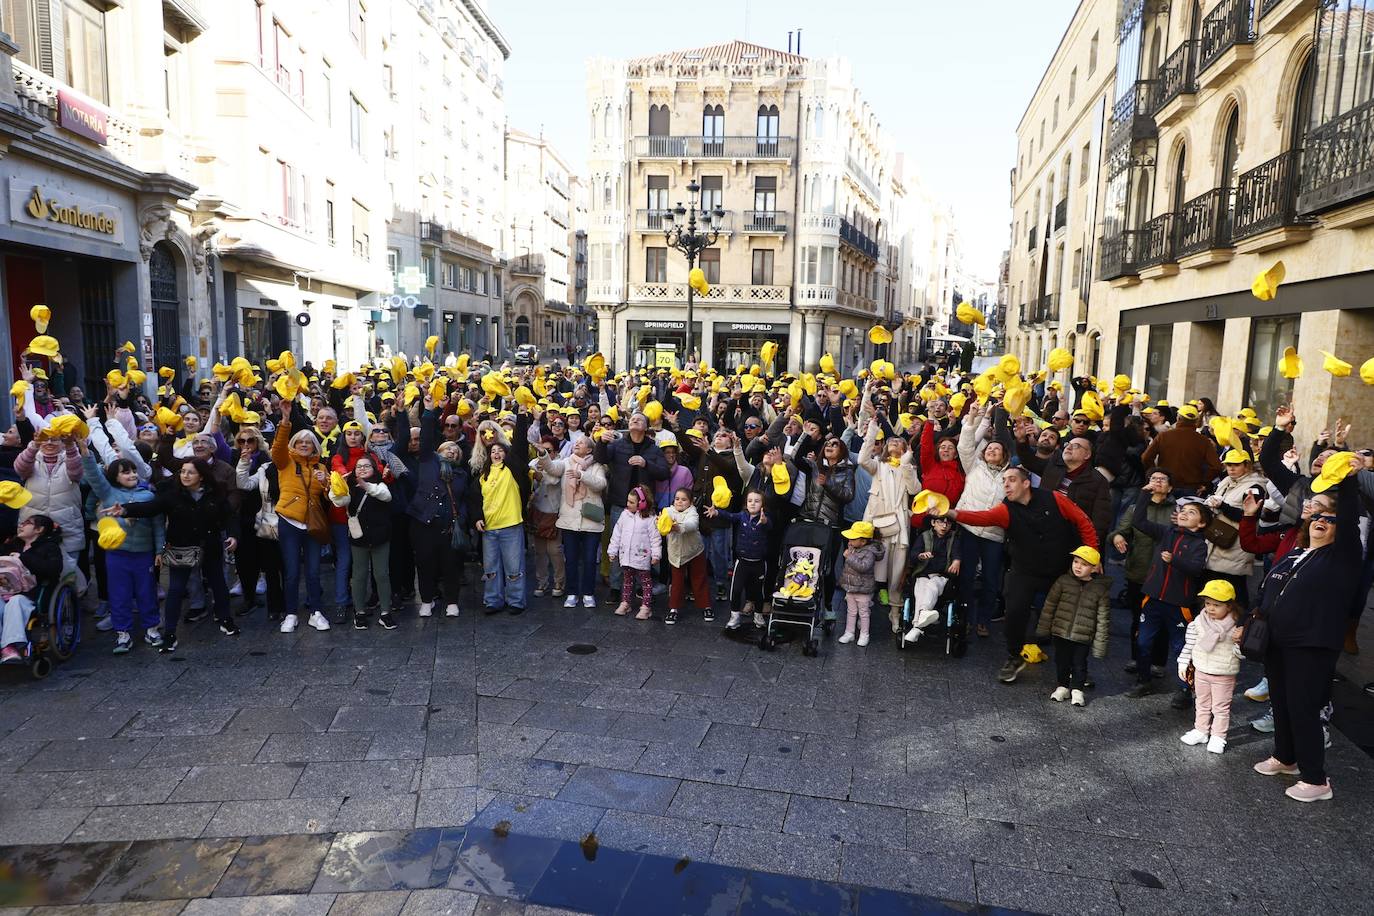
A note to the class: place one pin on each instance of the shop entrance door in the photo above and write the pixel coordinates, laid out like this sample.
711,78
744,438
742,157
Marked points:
95,292
23,290
165,291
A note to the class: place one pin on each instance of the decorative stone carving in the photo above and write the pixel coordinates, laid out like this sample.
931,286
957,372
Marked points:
152,222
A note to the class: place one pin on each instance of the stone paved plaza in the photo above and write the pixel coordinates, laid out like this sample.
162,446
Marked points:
335,773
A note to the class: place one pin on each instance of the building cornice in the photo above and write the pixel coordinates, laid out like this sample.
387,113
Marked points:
484,21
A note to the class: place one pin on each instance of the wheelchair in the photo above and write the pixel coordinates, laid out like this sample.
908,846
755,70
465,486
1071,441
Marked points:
953,620
54,627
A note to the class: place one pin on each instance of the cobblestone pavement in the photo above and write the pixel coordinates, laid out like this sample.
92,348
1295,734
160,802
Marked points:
460,766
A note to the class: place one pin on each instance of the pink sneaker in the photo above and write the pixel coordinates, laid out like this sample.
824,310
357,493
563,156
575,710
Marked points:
1274,767
10,655
644,613
1306,792
622,610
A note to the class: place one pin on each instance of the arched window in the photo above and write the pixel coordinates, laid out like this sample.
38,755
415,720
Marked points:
767,131
1230,152
164,287
1302,105
606,121
818,130
1180,177
713,130
522,330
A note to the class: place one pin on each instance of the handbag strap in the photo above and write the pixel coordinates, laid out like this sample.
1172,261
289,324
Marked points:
361,503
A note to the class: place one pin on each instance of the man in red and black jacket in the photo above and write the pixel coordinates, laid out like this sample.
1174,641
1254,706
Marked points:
1042,527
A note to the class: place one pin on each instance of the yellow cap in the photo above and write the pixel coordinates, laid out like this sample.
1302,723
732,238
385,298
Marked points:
1087,555
858,530
1235,456
1218,590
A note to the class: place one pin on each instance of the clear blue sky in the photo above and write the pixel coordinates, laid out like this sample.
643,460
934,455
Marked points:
949,81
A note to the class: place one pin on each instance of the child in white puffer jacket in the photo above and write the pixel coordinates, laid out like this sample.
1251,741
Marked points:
1212,654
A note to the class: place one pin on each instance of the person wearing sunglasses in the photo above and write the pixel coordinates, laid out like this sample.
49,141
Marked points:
258,559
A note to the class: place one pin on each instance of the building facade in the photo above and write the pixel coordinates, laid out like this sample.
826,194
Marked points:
539,289
443,145
788,149
1233,142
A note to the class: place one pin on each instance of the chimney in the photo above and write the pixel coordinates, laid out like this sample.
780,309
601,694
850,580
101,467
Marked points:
799,41
789,42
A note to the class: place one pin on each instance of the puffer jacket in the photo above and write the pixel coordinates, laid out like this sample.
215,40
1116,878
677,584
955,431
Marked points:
982,482
944,551
570,517
1234,560
635,541
1221,660
893,487
710,465
295,477
825,504
1078,611
1141,548
56,490
684,544
140,535
856,578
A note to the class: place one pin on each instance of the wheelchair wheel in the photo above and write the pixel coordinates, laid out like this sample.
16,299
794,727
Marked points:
64,622
40,667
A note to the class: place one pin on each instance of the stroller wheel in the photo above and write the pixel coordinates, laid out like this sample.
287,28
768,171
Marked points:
40,667
766,642
810,650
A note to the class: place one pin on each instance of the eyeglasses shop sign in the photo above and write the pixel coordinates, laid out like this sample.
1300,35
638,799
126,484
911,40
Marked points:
34,205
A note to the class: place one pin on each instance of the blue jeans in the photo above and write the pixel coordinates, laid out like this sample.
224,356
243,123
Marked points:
580,557
503,567
343,565
1156,617
132,583
719,549
980,596
295,544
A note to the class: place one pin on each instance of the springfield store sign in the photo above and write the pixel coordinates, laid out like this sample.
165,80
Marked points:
32,205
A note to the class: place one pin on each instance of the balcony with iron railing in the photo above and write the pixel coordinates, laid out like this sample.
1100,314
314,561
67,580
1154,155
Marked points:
1204,224
1177,81
1338,161
1131,114
465,51
855,238
684,147
1267,199
1155,243
1061,214
1118,254
1225,40
652,220
431,231
765,222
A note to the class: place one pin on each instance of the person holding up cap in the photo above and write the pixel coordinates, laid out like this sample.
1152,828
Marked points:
858,579
1228,559
895,483
1190,457
1077,613
1211,652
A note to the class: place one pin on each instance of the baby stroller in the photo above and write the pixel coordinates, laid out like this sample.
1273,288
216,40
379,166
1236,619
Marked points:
800,598
952,619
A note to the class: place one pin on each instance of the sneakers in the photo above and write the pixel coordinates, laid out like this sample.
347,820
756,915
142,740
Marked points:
734,622
1011,670
451,611
1260,692
1156,671
1143,689
862,640
1264,724
622,609
708,615
229,628
645,613
589,601
169,645
557,591
571,601
540,591
10,655
1306,792
261,588
1272,766
1131,667
288,623
1060,694
123,643
758,620
1216,744
1193,737
360,621
106,624
912,634
236,590
671,618
386,621
426,608
319,621
926,618
847,638
1078,699
153,637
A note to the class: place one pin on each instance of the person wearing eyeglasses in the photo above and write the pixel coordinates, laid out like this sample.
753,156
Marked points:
259,557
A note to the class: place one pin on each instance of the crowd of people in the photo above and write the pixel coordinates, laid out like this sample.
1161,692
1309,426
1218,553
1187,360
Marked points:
347,497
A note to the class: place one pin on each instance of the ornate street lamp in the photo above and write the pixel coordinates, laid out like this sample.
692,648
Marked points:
691,241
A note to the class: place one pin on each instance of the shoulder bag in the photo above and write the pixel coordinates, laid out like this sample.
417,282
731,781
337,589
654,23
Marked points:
180,557
1254,638
265,522
316,520
593,511
355,525
1220,533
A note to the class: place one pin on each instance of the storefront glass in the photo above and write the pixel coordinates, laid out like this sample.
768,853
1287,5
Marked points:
1265,388
659,343
1157,363
737,343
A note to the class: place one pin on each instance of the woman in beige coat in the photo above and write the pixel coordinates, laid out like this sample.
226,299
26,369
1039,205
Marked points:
581,517
895,484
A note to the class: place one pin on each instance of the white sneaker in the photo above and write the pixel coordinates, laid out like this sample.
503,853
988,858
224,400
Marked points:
451,611
1078,699
847,638
758,620
735,620
426,608
1216,744
288,623
863,640
1260,692
1060,694
262,585
926,618
571,601
236,590
105,624
912,634
589,601
319,621
1192,737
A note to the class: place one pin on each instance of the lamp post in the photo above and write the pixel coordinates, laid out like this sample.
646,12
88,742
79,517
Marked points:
691,241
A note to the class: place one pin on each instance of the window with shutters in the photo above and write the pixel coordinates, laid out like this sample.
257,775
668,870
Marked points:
362,229
712,192
763,267
655,265
84,49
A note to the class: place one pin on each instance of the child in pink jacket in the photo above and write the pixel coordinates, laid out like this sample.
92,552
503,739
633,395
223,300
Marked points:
636,543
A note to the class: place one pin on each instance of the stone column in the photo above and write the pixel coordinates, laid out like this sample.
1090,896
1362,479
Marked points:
606,333
1235,352
811,358
1320,397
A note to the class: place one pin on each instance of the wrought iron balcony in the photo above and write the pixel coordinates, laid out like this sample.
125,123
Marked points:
1131,113
679,147
1230,23
431,231
1177,76
1155,243
852,236
765,221
1267,196
1338,161
1119,255
658,220
1204,223
1061,214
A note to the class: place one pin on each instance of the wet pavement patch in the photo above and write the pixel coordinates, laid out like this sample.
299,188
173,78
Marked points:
581,648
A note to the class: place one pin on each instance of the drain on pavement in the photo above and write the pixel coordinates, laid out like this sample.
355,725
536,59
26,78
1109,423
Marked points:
581,648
